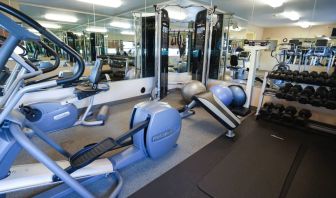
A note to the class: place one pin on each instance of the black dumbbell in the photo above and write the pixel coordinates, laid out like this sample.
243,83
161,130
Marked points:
319,97
280,74
293,93
283,90
293,76
331,101
273,74
266,110
306,94
303,116
310,79
289,114
331,82
276,111
322,78
285,75
300,78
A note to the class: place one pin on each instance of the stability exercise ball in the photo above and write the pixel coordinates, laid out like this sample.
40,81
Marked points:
192,88
213,83
239,96
223,93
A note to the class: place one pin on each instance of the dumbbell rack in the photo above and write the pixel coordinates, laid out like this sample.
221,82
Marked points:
270,92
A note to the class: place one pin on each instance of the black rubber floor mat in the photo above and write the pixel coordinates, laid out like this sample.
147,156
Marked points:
316,175
256,167
182,180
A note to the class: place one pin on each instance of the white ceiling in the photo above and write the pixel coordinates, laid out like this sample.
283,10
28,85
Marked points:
86,13
263,15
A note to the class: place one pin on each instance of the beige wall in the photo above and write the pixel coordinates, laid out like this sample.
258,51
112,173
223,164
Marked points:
250,28
279,33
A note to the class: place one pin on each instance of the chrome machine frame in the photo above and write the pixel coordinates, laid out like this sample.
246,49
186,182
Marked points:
207,45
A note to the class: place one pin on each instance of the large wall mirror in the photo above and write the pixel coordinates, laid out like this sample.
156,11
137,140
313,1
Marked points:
104,30
121,33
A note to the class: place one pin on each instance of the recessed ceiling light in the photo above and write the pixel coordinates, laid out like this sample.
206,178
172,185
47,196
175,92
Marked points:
238,29
274,3
79,33
96,29
61,17
292,15
120,24
50,25
34,31
143,14
235,29
304,24
177,14
127,32
111,3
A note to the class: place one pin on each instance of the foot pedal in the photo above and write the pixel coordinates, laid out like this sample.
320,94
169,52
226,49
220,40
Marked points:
90,153
186,114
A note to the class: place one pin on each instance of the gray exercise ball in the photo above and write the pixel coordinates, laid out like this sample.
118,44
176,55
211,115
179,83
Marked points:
192,88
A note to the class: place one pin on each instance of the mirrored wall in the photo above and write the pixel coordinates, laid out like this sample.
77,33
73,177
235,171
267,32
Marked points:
102,30
121,33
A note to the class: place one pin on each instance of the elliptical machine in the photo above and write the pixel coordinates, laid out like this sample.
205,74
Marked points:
154,130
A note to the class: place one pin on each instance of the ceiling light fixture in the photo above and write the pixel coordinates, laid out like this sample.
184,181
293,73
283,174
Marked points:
61,17
304,24
143,14
274,3
127,32
120,24
50,25
235,29
79,33
238,29
34,31
292,15
177,14
111,3
96,29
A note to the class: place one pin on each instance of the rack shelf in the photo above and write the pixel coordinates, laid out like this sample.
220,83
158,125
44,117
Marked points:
270,92
303,83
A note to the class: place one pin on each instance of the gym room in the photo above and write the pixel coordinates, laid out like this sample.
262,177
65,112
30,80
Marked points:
169,99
